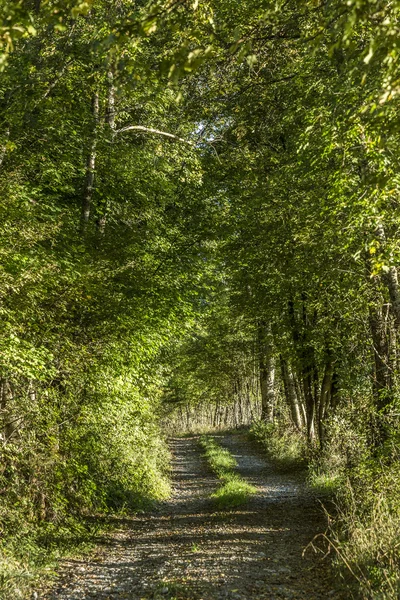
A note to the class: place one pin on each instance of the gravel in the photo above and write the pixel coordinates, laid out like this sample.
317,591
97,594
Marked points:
185,550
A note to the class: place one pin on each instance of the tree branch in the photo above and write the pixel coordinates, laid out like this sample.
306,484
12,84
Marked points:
156,131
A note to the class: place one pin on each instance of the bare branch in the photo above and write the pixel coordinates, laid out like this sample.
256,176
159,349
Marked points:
155,131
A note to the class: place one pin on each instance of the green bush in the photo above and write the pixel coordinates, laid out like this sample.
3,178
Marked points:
109,456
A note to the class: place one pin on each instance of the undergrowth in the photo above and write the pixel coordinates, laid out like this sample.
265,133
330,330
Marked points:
365,530
285,446
113,461
364,520
234,490
30,557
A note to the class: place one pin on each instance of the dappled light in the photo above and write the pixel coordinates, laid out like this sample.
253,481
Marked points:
189,549
199,299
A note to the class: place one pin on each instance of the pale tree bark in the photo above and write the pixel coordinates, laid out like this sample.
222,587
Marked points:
155,131
308,372
267,372
110,114
391,279
240,406
110,121
325,399
291,395
216,414
300,397
90,164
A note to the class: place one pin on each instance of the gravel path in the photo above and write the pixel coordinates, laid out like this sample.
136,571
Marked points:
186,551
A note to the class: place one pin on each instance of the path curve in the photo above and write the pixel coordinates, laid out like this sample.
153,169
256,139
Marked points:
187,551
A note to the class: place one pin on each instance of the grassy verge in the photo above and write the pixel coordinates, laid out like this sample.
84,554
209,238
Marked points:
284,446
234,491
30,558
364,524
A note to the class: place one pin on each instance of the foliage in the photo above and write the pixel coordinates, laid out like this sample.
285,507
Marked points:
199,208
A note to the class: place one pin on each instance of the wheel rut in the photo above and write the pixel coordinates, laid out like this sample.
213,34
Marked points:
185,550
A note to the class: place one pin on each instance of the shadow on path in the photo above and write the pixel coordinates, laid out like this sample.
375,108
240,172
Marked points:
186,550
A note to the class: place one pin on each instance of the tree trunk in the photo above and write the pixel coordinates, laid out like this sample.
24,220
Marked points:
382,381
290,394
267,372
391,279
90,165
324,400
110,114
310,378
308,371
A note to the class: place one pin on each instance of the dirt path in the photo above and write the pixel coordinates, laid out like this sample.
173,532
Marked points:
185,550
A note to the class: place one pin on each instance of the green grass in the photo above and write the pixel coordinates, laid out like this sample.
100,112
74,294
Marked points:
325,483
31,557
285,447
233,493
234,490
220,459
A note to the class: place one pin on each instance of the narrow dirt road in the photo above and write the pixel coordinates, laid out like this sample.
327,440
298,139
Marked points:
185,550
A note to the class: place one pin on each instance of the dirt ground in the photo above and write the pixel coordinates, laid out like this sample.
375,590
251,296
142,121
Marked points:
187,550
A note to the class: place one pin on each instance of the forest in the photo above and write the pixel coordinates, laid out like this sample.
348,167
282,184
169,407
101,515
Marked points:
199,232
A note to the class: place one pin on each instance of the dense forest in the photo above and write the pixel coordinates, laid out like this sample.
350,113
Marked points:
199,229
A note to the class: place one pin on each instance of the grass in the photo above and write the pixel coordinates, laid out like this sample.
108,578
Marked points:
285,447
325,483
234,490
366,532
30,559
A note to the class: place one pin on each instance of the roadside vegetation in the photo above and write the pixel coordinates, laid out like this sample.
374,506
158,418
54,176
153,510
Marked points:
285,446
234,490
200,216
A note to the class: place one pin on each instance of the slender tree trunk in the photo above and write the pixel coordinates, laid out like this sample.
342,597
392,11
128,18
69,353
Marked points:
110,120
240,407
382,382
391,279
90,164
309,389
216,412
308,371
300,397
267,372
226,417
324,400
110,114
290,393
